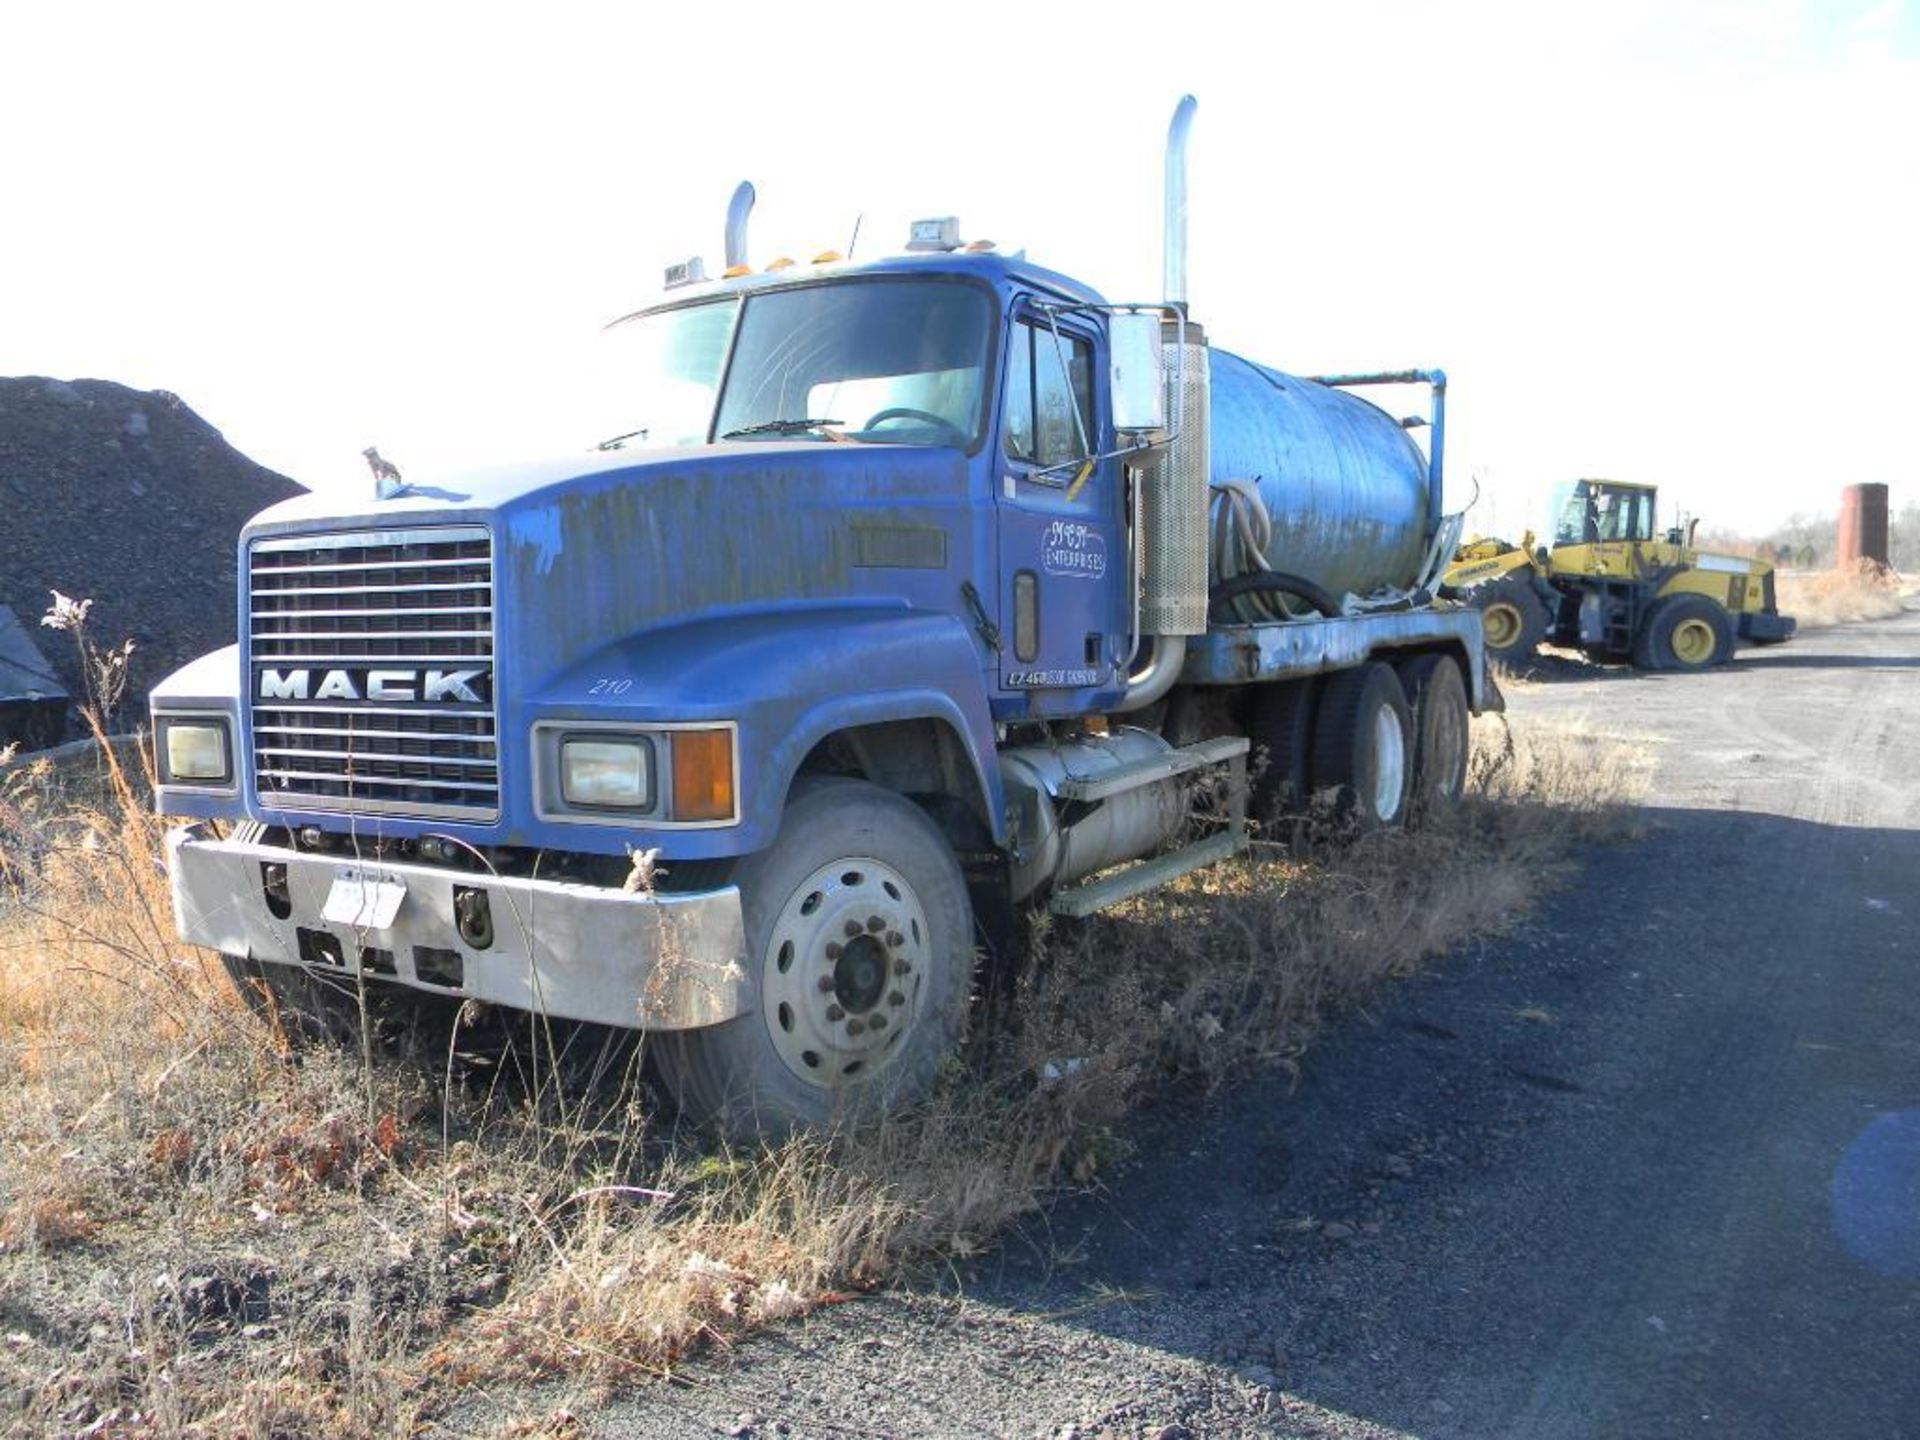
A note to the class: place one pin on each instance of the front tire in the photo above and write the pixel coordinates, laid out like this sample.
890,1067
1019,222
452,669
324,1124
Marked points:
859,962
1684,632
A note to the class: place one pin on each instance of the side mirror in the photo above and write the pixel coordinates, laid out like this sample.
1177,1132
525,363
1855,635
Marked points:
1135,377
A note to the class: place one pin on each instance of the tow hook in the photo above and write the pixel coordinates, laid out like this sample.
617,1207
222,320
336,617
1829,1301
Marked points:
473,916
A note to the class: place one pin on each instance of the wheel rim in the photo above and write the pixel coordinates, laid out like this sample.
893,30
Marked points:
1389,763
841,977
1501,624
1693,642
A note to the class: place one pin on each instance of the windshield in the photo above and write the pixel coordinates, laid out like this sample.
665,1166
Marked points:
895,361
1590,511
669,371
901,361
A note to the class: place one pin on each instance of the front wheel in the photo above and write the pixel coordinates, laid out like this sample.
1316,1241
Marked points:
1684,632
859,961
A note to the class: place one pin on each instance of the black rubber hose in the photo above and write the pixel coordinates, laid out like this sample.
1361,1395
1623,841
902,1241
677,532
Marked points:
1268,582
1415,601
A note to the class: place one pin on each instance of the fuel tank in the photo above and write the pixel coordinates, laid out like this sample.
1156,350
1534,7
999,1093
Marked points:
1345,485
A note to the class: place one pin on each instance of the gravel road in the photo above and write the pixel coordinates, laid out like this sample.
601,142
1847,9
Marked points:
1650,1167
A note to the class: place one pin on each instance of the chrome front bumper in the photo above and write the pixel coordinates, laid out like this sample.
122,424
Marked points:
575,952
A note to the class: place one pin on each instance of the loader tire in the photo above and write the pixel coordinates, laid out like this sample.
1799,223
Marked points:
1512,616
1684,632
1281,732
1362,746
1437,699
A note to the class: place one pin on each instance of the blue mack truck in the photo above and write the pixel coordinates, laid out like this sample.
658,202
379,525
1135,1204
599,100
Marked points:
935,587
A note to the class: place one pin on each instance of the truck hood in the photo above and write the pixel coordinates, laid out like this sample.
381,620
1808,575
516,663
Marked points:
590,549
471,493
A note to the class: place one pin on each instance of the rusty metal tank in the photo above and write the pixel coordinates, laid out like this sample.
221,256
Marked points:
1344,483
1863,525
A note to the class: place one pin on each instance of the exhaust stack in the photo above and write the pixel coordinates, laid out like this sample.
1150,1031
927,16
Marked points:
738,209
1174,218
1170,542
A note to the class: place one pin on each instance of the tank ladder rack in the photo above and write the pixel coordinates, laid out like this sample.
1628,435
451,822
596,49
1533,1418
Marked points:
1118,885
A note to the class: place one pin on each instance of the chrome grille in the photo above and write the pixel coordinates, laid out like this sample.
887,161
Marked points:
371,672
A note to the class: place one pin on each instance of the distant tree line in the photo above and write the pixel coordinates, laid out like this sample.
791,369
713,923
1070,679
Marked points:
1809,542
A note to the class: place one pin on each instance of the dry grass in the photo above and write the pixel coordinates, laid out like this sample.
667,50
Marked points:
203,1231
1863,591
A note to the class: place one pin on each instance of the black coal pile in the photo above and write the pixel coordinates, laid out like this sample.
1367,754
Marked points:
127,498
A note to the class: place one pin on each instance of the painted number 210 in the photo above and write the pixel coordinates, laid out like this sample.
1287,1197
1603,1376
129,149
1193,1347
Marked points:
609,687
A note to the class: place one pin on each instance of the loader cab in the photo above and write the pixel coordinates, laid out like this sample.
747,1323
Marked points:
1591,512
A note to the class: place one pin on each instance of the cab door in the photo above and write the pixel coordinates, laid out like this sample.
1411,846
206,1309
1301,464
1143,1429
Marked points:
1063,555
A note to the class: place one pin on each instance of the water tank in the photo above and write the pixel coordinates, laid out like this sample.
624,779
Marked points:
1345,485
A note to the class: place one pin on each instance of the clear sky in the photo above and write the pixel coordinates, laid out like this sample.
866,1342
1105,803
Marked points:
1672,242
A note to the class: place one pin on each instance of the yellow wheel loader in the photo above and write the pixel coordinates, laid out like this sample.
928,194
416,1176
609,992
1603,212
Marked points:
1608,587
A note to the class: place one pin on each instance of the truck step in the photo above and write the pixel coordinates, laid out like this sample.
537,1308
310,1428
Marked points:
1161,870
1146,772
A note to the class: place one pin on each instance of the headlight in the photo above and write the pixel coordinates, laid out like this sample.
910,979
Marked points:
610,773
195,750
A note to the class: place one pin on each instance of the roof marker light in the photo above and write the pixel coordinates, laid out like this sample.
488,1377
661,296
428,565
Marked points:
687,272
978,247
734,272
828,257
785,262
938,234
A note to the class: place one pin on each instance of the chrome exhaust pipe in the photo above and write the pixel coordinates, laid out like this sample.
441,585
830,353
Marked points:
1152,683
1174,212
738,209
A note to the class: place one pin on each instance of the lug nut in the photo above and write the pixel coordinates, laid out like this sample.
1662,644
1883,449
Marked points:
898,997
895,939
903,966
854,1026
876,1022
826,984
875,924
836,1014
853,929
833,950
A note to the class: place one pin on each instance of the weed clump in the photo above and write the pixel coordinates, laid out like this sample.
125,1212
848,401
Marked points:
1854,593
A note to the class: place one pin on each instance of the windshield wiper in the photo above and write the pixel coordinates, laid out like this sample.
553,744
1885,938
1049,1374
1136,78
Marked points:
618,442
786,427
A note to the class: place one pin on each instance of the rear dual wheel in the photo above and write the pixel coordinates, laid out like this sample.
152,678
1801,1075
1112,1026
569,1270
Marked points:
1362,746
1437,701
1391,742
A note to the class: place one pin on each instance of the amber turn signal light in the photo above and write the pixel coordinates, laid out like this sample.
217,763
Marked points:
703,775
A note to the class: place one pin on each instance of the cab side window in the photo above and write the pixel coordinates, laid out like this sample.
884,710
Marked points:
1041,401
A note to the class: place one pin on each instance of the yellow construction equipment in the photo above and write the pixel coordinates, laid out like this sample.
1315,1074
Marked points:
1608,587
